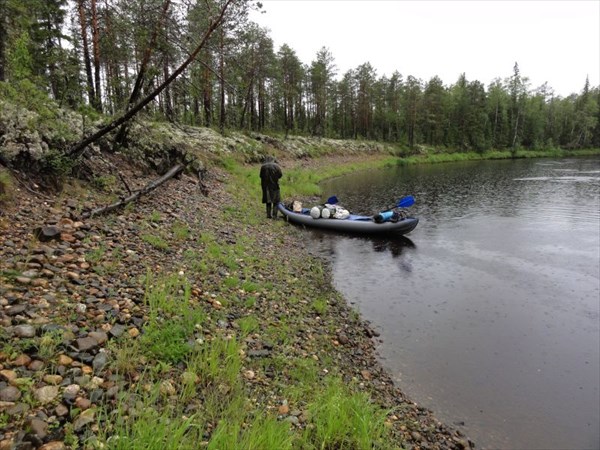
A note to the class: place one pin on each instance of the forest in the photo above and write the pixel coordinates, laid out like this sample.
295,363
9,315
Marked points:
205,63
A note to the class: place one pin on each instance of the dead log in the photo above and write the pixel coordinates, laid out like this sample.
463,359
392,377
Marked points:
175,170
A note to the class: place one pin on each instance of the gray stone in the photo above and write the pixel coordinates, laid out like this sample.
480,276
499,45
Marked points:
84,418
15,309
61,410
17,409
292,419
100,361
46,394
38,427
45,234
53,445
86,343
24,331
10,394
97,395
30,273
36,365
112,392
117,330
100,336
258,353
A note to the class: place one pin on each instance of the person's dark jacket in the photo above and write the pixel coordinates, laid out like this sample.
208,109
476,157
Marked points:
270,173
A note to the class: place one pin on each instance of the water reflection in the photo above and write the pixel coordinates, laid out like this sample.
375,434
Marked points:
328,241
394,246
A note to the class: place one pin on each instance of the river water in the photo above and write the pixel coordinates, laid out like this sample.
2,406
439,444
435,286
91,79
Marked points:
489,310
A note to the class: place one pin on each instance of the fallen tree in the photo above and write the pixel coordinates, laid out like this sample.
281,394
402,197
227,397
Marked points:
178,168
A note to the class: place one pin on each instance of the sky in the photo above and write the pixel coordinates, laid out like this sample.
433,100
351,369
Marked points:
555,42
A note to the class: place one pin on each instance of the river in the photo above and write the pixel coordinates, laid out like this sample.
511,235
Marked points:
489,310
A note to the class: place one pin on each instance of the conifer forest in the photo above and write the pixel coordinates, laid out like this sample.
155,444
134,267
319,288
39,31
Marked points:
205,63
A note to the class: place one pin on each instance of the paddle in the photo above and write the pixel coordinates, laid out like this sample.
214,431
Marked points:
405,202
386,215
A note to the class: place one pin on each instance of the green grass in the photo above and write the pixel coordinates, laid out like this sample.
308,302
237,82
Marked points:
127,355
154,217
173,321
257,432
319,305
342,419
144,424
104,182
304,372
166,341
10,274
250,286
95,255
105,261
155,241
49,343
181,231
6,186
249,324
231,282
166,295
211,371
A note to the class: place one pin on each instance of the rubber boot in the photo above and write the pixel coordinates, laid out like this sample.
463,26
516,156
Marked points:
268,210
274,213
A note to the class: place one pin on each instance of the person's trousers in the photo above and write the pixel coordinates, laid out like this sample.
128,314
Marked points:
271,210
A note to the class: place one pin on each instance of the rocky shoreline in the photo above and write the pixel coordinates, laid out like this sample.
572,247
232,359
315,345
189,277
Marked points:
65,296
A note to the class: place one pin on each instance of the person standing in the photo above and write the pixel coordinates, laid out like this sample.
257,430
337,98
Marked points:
270,173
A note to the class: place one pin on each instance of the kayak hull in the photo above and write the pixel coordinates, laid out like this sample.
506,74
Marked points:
353,224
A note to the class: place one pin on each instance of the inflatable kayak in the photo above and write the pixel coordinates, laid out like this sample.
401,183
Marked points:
352,224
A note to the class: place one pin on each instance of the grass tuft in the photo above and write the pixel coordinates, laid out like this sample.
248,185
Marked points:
342,419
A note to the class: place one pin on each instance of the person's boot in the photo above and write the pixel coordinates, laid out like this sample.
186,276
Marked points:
274,213
268,210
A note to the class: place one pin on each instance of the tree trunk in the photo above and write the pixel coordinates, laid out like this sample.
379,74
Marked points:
495,127
86,53
195,111
207,98
96,50
3,38
514,140
261,105
222,81
51,64
246,101
168,103
78,149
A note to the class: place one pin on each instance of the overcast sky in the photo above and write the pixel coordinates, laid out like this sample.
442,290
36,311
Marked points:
557,42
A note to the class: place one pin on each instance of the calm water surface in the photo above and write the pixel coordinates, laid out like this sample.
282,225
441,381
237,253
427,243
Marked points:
489,310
